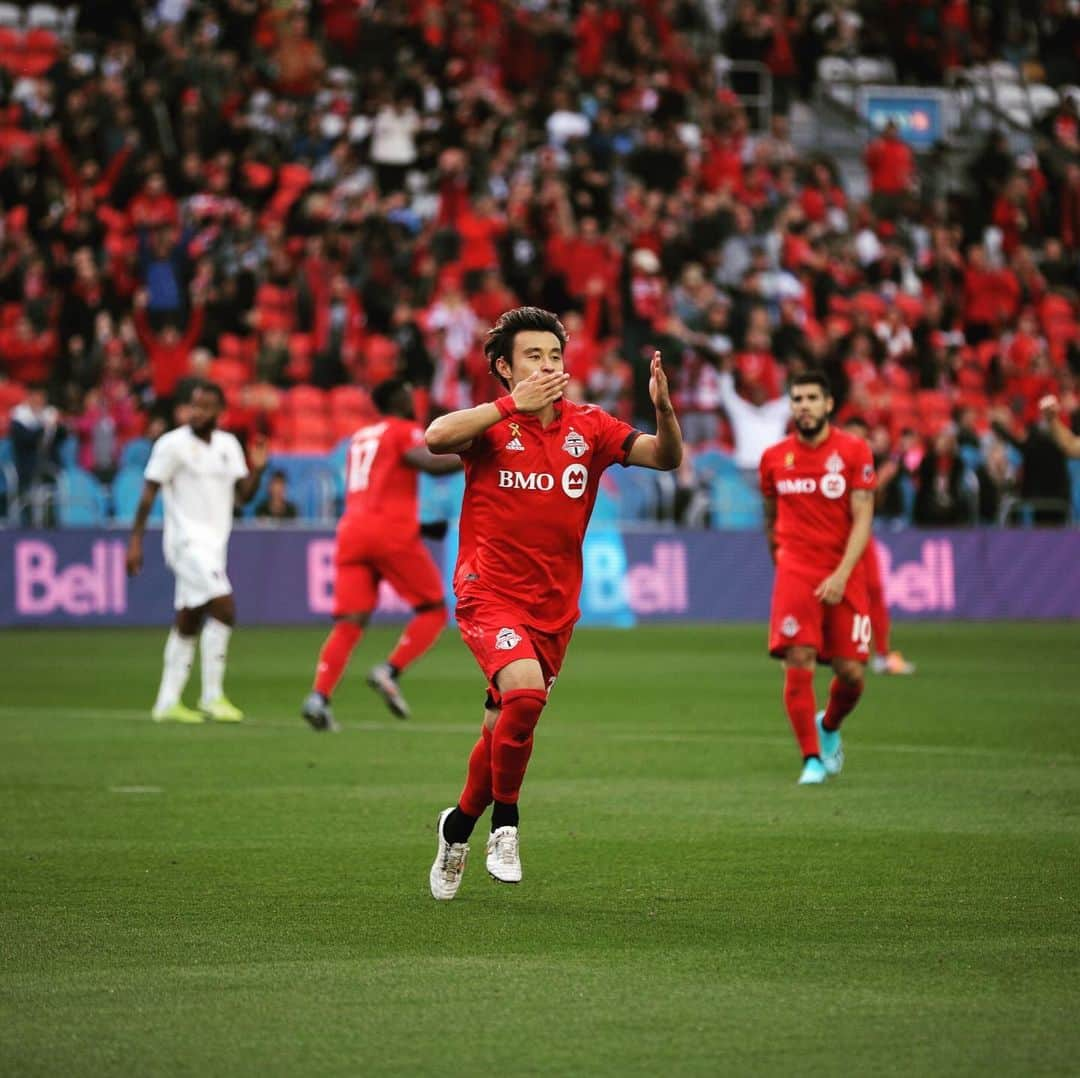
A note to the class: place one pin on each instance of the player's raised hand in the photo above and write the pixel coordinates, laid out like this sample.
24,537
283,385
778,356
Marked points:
259,453
1050,407
831,590
541,388
658,384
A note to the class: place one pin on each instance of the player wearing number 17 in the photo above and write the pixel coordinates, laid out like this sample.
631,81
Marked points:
533,462
378,538
818,487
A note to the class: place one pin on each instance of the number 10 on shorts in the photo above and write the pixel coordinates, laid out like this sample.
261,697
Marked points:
860,630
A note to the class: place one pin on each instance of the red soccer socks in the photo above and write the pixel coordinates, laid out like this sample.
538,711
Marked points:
799,703
843,696
421,632
477,793
334,656
512,741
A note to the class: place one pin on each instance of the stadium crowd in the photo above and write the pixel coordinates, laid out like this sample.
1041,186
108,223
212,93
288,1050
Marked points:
299,200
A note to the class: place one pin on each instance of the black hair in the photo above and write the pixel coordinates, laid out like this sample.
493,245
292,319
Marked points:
499,342
857,421
812,378
277,473
385,393
210,387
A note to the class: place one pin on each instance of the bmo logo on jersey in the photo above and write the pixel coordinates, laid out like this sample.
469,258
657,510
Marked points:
796,486
509,480
575,478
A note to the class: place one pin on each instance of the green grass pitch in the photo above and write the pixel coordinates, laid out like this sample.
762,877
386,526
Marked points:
253,900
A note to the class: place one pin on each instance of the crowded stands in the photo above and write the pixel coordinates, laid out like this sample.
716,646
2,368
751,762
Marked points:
300,199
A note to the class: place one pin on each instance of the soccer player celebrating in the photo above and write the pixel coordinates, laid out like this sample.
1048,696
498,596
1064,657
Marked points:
378,538
201,473
818,485
533,462
885,660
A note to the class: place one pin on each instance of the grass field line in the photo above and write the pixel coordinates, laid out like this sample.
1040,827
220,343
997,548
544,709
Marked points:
698,737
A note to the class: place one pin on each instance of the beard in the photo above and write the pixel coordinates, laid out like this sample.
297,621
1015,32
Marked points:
809,427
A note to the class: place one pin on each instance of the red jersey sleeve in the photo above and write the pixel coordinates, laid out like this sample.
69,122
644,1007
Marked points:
863,476
480,445
765,476
612,439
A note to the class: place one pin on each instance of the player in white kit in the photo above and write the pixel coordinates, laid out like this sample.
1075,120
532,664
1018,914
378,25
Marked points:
201,473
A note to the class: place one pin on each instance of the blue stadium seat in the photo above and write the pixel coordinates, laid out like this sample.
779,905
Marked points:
637,493
136,453
735,506
441,496
1074,479
126,489
311,483
714,462
80,500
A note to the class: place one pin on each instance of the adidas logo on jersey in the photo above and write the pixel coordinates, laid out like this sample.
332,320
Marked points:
515,444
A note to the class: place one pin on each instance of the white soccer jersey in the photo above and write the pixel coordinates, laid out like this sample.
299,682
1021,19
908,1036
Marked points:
198,481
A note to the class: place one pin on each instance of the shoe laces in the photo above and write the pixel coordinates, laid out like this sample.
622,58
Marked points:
505,844
453,859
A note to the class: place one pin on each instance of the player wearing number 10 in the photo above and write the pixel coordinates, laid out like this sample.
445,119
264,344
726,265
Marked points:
378,538
818,486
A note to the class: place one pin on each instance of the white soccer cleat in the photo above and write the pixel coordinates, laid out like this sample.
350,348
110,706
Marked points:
382,680
449,866
504,855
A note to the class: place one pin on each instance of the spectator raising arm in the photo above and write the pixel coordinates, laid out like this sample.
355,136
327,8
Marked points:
1067,442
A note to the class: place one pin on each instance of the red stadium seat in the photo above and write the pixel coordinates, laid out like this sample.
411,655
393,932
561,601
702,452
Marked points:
351,401
228,373
933,402
312,433
242,349
306,400
300,350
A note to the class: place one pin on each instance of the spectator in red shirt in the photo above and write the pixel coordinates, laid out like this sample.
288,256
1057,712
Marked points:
891,164
167,352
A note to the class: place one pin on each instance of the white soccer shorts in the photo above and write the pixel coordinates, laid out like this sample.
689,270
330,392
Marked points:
200,577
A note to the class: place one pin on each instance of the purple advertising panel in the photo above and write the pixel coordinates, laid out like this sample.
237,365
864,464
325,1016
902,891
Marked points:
285,577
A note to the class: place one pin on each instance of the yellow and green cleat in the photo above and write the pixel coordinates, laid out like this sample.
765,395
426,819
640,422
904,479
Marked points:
177,713
221,710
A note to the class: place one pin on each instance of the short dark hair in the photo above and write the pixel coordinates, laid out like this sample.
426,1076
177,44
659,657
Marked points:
277,473
210,387
499,342
857,421
385,393
812,378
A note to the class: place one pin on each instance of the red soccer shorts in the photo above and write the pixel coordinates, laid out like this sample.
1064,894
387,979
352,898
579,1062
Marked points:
497,636
798,618
363,558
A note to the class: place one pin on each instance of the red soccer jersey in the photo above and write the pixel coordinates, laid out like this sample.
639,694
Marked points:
380,488
529,493
812,487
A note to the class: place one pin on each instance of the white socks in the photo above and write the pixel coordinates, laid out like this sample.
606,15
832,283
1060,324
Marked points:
213,646
179,654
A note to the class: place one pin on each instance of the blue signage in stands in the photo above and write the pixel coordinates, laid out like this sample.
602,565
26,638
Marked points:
919,115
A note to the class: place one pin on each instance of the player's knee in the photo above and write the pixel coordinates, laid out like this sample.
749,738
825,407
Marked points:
800,658
851,673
